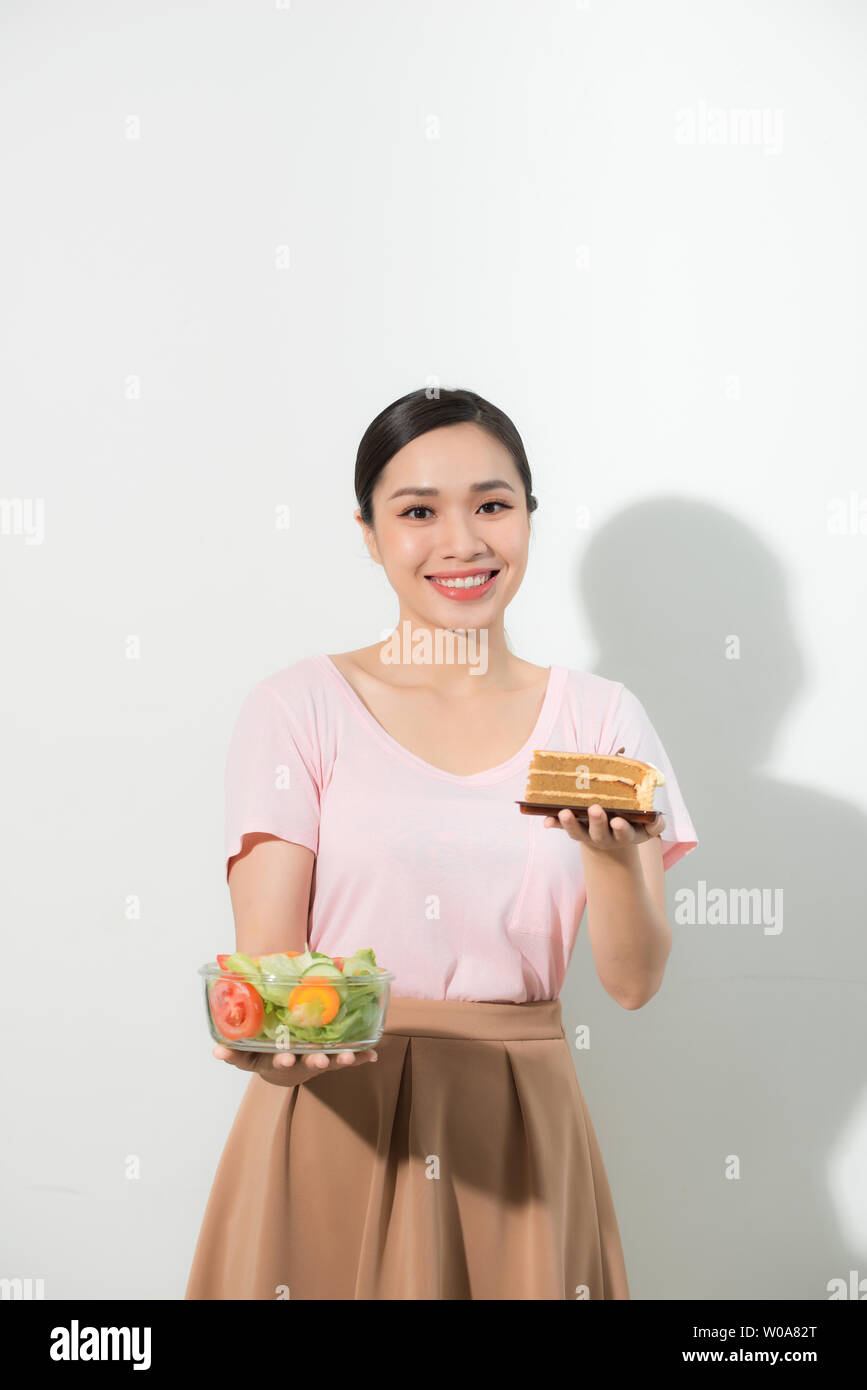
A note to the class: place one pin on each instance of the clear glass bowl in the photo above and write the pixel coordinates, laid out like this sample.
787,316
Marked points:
305,1015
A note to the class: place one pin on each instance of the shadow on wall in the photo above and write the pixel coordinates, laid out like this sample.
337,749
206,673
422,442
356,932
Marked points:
754,1045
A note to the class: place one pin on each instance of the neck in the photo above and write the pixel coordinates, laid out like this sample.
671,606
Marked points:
453,660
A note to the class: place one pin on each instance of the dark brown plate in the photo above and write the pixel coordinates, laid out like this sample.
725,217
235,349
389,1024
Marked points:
531,808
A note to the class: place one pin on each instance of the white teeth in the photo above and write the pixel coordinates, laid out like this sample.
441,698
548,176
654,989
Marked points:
474,582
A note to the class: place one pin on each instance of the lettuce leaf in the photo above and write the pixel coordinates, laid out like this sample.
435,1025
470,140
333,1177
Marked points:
244,965
362,963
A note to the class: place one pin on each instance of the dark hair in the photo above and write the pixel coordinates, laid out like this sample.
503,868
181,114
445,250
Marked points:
415,414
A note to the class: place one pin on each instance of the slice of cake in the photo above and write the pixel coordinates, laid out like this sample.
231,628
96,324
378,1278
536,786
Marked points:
580,779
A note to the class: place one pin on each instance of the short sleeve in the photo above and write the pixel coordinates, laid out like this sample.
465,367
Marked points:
272,778
629,727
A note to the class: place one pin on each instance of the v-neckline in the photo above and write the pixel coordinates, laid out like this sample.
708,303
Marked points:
540,732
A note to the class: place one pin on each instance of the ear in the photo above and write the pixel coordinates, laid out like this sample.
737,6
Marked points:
369,537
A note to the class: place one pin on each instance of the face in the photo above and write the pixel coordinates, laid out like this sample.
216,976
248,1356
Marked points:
445,524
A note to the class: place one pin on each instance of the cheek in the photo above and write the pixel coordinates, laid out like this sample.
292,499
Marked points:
516,560
512,542
405,549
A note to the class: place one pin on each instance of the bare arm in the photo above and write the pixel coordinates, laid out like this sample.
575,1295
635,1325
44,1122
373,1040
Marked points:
630,935
269,883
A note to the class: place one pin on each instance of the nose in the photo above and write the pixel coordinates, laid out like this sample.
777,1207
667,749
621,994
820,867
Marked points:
461,541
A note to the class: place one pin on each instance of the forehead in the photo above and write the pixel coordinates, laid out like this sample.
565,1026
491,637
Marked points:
450,457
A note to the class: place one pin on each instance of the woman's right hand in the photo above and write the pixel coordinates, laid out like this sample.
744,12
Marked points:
290,1068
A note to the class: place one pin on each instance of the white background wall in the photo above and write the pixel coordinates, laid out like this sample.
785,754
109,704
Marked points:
496,195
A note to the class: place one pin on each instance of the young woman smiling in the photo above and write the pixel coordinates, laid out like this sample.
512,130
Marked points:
461,1162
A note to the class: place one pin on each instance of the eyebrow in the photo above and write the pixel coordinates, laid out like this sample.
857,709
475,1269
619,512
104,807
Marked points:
489,486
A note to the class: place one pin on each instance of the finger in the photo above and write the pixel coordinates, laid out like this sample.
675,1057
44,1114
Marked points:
316,1060
599,831
234,1057
641,833
564,820
623,832
572,825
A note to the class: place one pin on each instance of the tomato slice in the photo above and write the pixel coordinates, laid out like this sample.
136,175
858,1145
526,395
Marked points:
236,1008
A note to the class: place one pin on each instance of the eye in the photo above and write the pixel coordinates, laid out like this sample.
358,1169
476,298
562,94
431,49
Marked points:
420,508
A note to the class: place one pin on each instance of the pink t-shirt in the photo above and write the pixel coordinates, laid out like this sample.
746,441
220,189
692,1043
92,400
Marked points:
458,893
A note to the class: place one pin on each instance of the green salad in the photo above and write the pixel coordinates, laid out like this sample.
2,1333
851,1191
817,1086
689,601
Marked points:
306,997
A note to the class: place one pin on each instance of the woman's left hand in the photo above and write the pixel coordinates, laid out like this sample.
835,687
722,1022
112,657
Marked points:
618,834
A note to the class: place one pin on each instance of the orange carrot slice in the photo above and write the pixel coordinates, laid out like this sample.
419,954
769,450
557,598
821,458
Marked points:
313,1004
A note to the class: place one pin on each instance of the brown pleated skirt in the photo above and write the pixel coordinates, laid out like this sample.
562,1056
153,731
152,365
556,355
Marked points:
461,1164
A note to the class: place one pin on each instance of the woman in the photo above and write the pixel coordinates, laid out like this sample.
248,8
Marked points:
371,802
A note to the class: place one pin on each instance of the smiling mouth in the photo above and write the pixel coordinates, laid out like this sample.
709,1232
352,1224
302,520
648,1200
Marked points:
469,587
